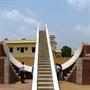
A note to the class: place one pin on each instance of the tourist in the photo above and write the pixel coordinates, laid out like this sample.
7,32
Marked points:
59,71
22,73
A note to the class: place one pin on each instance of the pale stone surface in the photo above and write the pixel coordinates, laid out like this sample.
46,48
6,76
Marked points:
6,70
27,86
79,71
72,86
17,86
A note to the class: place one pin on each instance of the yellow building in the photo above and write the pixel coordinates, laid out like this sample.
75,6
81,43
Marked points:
22,50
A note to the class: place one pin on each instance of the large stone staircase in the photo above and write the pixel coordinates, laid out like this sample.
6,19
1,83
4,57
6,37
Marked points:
44,81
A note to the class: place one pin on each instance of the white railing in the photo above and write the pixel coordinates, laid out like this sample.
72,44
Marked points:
73,59
35,72
54,76
13,60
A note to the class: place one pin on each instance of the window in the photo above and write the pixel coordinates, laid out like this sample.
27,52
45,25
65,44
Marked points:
11,49
26,48
18,49
22,50
33,49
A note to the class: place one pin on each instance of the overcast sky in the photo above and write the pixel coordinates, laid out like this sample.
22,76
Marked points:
69,20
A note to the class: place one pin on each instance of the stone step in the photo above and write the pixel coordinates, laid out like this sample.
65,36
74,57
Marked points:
43,54
46,63
43,66
45,82
68,74
44,75
43,62
42,59
45,79
45,88
45,71
71,71
65,77
41,51
46,58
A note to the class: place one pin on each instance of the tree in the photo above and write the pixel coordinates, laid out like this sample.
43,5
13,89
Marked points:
66,51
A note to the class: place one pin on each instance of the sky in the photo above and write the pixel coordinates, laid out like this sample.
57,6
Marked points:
69,20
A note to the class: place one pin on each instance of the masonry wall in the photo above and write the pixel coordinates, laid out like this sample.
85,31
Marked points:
12,75
1,71
72,78
86,71
85,55
2,55
85,51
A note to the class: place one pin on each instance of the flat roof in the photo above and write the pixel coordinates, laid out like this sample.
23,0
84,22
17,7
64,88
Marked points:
20,41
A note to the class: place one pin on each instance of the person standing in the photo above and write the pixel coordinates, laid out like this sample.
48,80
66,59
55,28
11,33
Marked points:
60,72
57,71
22,73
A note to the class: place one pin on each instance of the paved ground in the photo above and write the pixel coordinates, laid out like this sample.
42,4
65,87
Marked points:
17,86
72,86
27,86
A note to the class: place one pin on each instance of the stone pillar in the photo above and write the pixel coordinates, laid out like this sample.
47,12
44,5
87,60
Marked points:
6,70
79,71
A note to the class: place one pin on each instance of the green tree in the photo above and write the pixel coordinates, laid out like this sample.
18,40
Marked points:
66,51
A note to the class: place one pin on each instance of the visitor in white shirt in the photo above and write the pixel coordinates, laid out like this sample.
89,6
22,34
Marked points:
22,73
